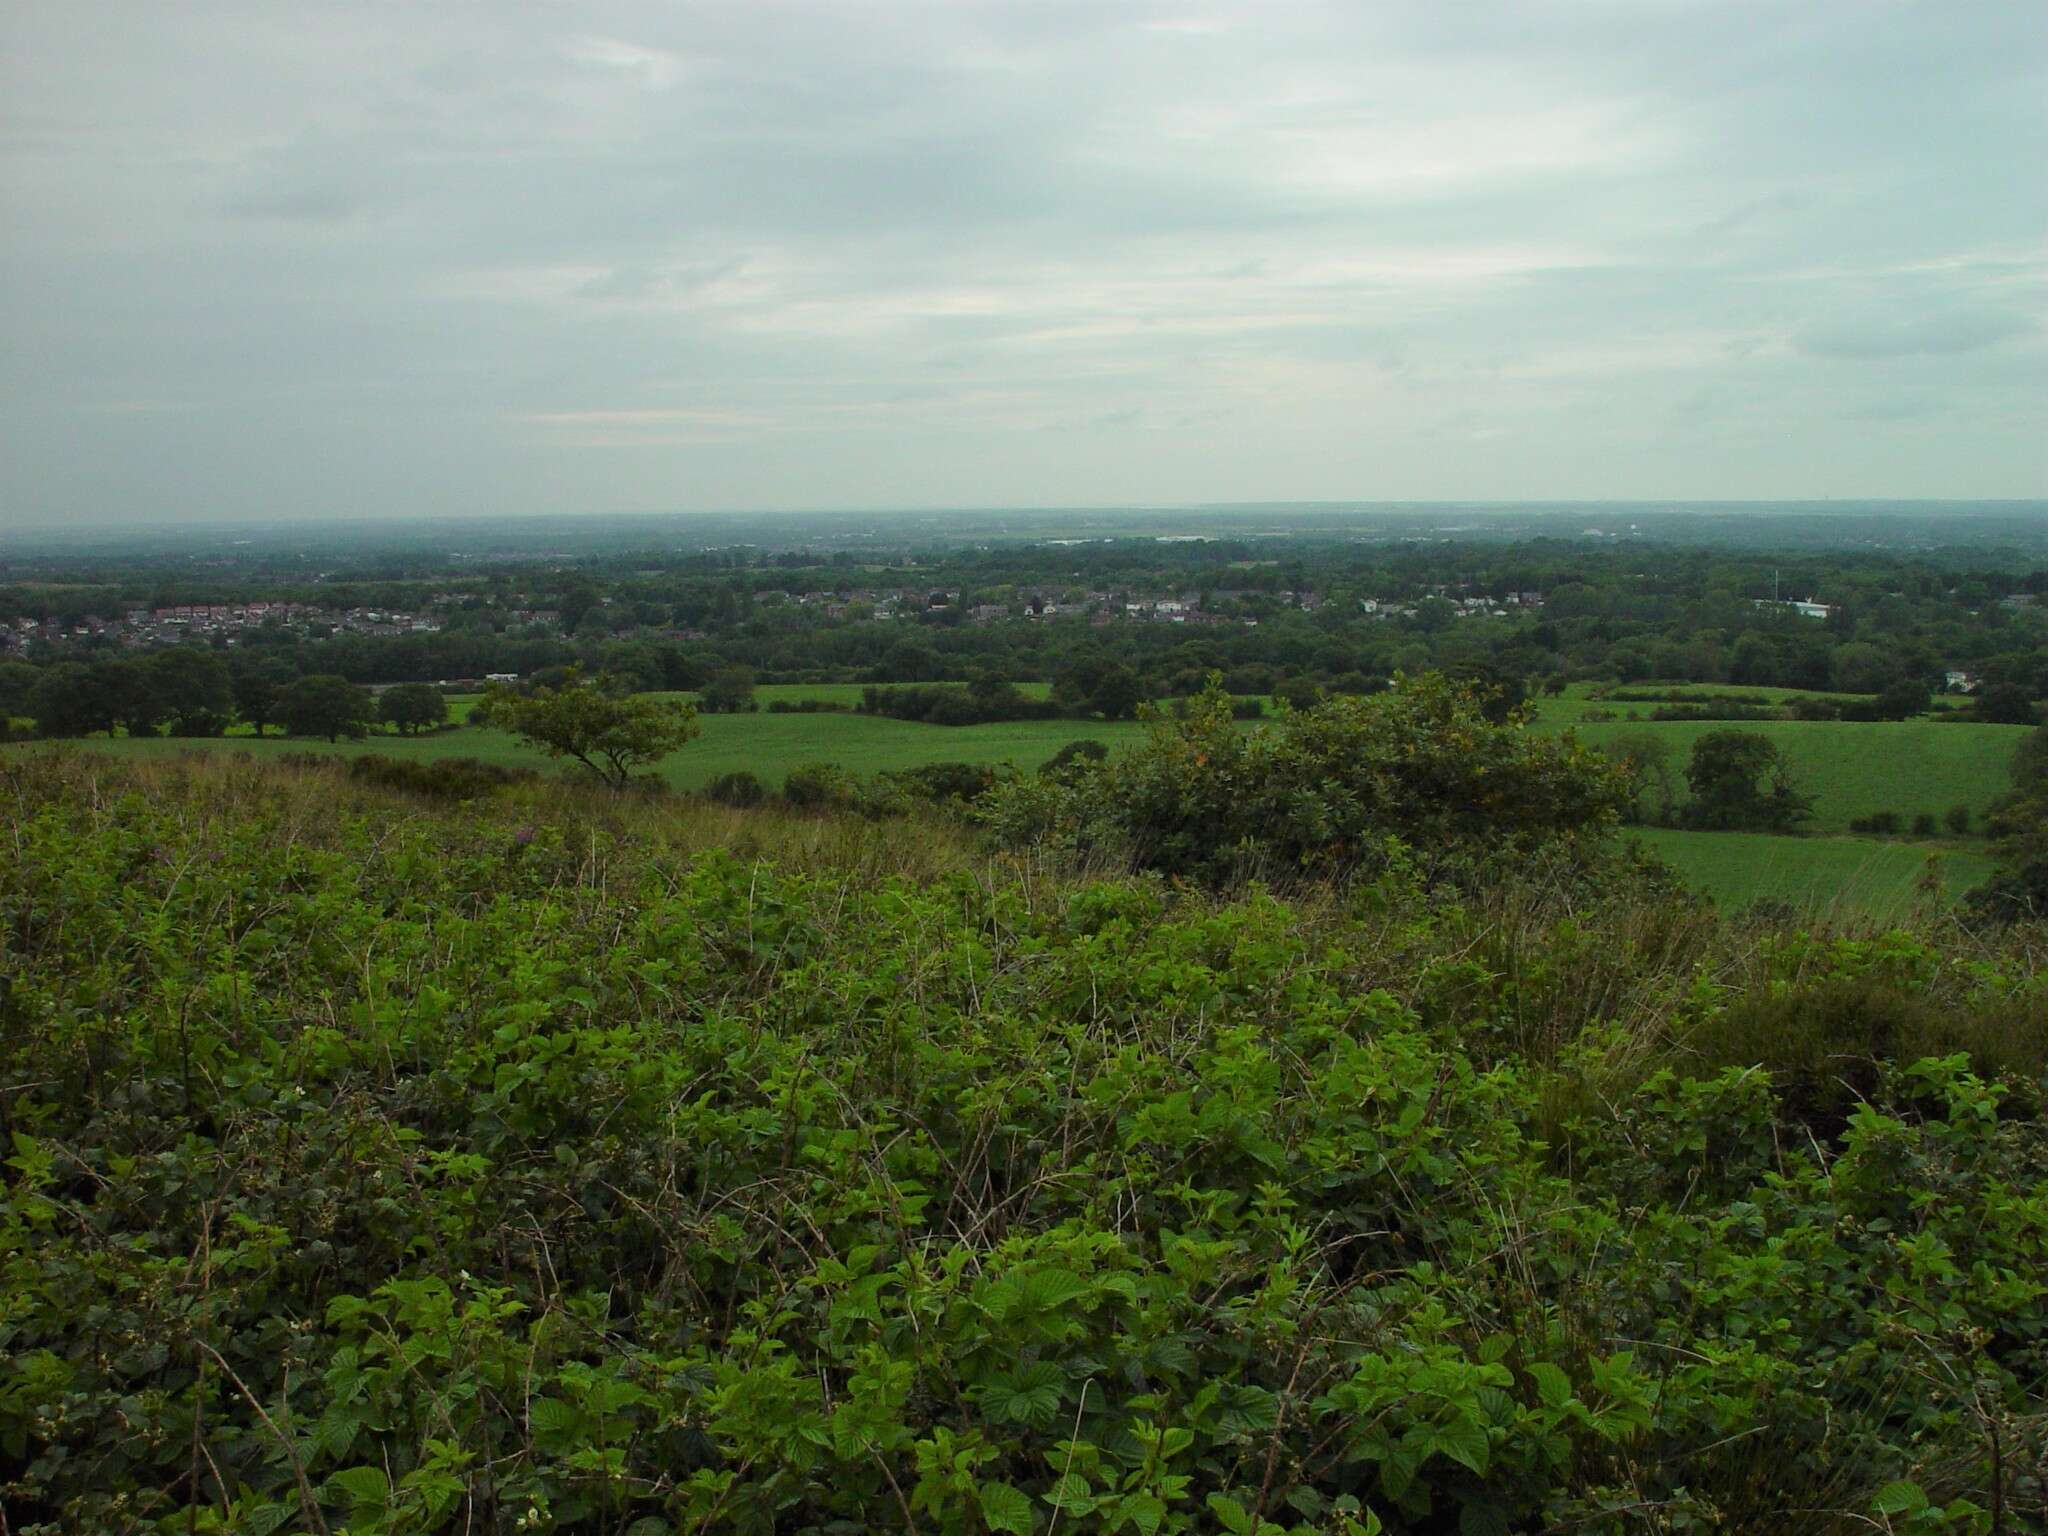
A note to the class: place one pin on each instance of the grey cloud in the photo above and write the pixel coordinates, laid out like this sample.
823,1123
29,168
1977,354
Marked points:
1923,335
1007,251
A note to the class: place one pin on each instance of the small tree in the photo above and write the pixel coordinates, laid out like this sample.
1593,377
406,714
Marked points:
1902,699
730,692
193,688
1646,757
2005,704
1740,781
259,691
1117,692
65,703
414,707
585,722
126,691
18,683
326,705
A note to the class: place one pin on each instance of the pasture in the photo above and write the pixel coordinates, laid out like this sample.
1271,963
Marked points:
1851,769
1855,769
1831,877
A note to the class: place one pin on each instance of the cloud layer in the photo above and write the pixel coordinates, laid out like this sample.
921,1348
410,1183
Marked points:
369,259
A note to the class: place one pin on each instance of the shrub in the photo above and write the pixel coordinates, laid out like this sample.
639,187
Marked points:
730,692
1074,756
1813,709
946,783
374,1168
1958,820
739,788
1924,824
1324,789
439,778
200,723
1711,712
955,704
819,786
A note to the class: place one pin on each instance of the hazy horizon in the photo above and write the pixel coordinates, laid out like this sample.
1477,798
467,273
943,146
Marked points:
265,264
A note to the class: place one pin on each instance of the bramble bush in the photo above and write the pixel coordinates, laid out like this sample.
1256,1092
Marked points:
392,1168
1321,792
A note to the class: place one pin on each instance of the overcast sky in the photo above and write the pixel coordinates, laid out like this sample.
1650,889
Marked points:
290,259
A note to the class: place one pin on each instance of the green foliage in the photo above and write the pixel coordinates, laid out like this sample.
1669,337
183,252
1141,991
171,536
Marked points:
1324,790
2019,826
741,789
1740,782
588,721
730,692
2005,704
259,688
192,688
441,778
75,698
820,787
18,682
1646,759
374,1166
326,705
413,707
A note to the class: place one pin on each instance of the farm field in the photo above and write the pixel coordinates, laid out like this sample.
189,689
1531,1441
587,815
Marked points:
1872,876
764,744
1833,877
1582,699
1855,769
1851,769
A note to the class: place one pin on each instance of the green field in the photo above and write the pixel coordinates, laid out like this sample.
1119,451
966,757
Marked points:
1851,769
1580,700
763,744
1854,769
1829,876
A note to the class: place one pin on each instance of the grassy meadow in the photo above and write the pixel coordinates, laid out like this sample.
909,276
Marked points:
1851,769
1841,877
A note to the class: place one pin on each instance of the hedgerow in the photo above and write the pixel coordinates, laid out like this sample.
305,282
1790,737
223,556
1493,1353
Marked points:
465,1168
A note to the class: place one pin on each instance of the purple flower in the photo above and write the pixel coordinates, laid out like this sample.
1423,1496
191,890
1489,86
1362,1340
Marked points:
522,837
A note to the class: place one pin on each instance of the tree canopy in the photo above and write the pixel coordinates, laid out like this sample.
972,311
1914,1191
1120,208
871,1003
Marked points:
326,705
1740,781
413,707
583,720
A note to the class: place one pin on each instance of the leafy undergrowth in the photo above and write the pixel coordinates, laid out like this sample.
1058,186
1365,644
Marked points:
385,1166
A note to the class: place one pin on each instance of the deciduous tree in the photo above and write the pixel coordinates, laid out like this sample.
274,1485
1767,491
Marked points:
582,720
1739,780
413,707
326,705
